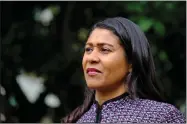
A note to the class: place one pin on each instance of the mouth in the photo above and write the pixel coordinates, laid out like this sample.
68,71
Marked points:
92,71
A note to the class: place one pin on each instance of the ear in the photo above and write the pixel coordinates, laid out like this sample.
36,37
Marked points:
130,67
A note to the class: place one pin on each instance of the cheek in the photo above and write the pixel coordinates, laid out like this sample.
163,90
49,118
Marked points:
116,67
84,62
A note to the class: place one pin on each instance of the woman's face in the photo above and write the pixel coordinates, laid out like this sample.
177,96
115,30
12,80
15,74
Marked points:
104,63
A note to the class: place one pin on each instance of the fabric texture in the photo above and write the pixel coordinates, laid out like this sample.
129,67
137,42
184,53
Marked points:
123,109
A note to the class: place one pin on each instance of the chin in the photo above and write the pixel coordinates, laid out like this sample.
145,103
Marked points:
94,86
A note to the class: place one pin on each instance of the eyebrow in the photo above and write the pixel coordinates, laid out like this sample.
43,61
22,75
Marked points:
100,44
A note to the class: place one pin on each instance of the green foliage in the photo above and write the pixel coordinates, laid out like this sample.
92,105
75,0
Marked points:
145,23
135,7
13,101
55,9
82,34
163,56
159,28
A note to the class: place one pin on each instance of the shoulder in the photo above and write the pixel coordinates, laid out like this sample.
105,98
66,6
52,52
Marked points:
167,113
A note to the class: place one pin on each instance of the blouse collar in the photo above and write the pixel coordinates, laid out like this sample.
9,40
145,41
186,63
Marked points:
113,99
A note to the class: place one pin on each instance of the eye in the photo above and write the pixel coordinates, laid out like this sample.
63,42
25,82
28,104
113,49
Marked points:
105,50
88,49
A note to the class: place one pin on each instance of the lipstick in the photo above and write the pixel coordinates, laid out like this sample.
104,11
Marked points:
92,71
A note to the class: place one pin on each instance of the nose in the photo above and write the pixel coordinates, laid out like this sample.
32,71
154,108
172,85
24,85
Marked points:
93,57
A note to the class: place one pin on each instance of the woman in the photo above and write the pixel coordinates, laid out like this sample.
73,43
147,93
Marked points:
120,75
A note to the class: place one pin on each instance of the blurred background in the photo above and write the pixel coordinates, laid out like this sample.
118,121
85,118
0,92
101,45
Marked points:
42,46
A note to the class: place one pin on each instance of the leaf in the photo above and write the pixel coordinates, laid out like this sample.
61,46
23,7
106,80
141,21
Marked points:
134,18
135,7
159,28
163,56
82,34
12,101
55,9
145,23
170,6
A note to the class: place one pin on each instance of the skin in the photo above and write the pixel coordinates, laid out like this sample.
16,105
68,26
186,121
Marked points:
104,52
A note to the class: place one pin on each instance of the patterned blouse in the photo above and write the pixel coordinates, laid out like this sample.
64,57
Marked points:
123,109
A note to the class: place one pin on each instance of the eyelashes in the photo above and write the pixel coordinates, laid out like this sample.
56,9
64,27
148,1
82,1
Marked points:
88,49
101,49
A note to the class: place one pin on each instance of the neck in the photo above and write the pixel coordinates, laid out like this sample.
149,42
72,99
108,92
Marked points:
102,96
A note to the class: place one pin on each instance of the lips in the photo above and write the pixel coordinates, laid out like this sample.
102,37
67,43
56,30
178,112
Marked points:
92,71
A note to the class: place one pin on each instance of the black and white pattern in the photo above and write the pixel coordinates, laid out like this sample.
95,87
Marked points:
127,110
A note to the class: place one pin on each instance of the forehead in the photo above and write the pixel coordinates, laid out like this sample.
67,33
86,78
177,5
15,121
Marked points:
100,35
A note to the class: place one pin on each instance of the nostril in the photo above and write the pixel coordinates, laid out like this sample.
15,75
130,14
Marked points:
94,60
